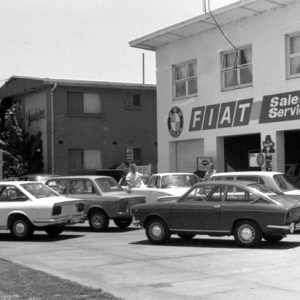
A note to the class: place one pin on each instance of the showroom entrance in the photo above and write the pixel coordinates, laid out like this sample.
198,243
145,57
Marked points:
292,155
237,150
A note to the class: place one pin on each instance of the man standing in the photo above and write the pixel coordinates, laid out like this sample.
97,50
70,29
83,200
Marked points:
133,178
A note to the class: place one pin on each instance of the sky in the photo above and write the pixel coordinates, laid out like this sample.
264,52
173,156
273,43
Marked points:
86,39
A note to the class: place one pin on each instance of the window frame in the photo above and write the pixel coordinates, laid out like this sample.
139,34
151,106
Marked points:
239,67
289,55
82,163
129,101
186,79
83,113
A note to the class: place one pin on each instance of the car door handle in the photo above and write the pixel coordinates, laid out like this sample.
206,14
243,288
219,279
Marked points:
217,206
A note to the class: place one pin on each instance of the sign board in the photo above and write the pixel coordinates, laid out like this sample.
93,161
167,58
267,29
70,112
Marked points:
256,159
129,153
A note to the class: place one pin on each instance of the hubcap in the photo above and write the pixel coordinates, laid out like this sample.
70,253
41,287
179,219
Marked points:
246,233
20,228
156,231
97,221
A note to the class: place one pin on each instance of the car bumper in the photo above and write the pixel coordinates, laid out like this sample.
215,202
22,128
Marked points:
72,219
289,228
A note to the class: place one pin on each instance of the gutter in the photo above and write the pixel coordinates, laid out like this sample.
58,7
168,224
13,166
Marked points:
52,126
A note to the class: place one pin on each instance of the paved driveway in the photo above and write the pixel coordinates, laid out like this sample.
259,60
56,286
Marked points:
125,264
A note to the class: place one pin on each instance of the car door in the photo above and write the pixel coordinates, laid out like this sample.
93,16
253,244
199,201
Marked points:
199,210
12,199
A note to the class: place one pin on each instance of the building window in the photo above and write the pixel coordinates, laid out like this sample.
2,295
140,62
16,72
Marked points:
84,103
293,50
236,68
133,101
185,79
137,154
80,159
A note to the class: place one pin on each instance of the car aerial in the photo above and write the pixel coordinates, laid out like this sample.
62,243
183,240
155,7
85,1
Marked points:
248,211
273,179
28,206
104,199
166,184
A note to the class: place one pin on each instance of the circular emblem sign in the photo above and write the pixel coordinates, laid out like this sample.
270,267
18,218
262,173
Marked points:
175,121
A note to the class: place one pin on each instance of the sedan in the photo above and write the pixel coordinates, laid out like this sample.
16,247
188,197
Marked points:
29,206
248,211
104,199
166,184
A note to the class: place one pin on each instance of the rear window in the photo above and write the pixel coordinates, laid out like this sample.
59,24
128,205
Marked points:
250,178
222,178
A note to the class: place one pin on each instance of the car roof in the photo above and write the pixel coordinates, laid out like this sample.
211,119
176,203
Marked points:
254,173
228,182
80,176
173,173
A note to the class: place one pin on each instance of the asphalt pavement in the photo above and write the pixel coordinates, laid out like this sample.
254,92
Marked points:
125,264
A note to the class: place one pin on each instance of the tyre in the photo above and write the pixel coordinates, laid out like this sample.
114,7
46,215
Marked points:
21,228
54,230
98,220
157,231
272,239
186,236
123,223
247,233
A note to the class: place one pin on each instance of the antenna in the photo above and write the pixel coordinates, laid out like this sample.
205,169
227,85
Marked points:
204,6
143,63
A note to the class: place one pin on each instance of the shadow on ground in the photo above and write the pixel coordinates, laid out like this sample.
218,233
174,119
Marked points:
220,243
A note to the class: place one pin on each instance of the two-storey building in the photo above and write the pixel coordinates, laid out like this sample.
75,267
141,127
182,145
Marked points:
87,125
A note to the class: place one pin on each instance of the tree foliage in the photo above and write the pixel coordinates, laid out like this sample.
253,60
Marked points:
21,155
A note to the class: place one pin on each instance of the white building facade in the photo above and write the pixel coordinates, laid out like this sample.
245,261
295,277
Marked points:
228,88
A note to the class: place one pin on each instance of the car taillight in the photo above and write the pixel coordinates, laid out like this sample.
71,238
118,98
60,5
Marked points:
56,210
80,207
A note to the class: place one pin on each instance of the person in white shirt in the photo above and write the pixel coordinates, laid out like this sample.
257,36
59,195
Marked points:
133,178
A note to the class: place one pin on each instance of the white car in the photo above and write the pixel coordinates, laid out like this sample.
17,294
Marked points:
273,179
166,184
27,206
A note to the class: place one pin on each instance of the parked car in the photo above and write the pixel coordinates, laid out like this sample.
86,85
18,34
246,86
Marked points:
42,177
166,184
29,206
275,180
248,211
104,199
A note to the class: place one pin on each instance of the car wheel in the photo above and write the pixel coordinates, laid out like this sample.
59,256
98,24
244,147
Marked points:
123,223
21,228
157,231
247,233
98,220
186,236
54,230
273,238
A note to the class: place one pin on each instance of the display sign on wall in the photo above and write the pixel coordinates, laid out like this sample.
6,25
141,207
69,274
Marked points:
175,121
280,107
229,114
268,149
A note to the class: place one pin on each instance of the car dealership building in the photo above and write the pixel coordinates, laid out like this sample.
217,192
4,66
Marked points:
228,87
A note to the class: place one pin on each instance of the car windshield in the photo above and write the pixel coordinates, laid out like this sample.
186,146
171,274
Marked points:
283,183
39,190
108,185
177,181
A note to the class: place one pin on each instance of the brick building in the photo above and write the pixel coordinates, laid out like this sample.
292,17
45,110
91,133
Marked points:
87,125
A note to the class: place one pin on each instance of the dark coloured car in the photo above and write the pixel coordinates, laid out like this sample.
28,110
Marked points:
103,197
248,211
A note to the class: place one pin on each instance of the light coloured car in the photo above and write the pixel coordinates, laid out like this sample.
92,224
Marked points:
27,206
273,179
104,199
166,184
